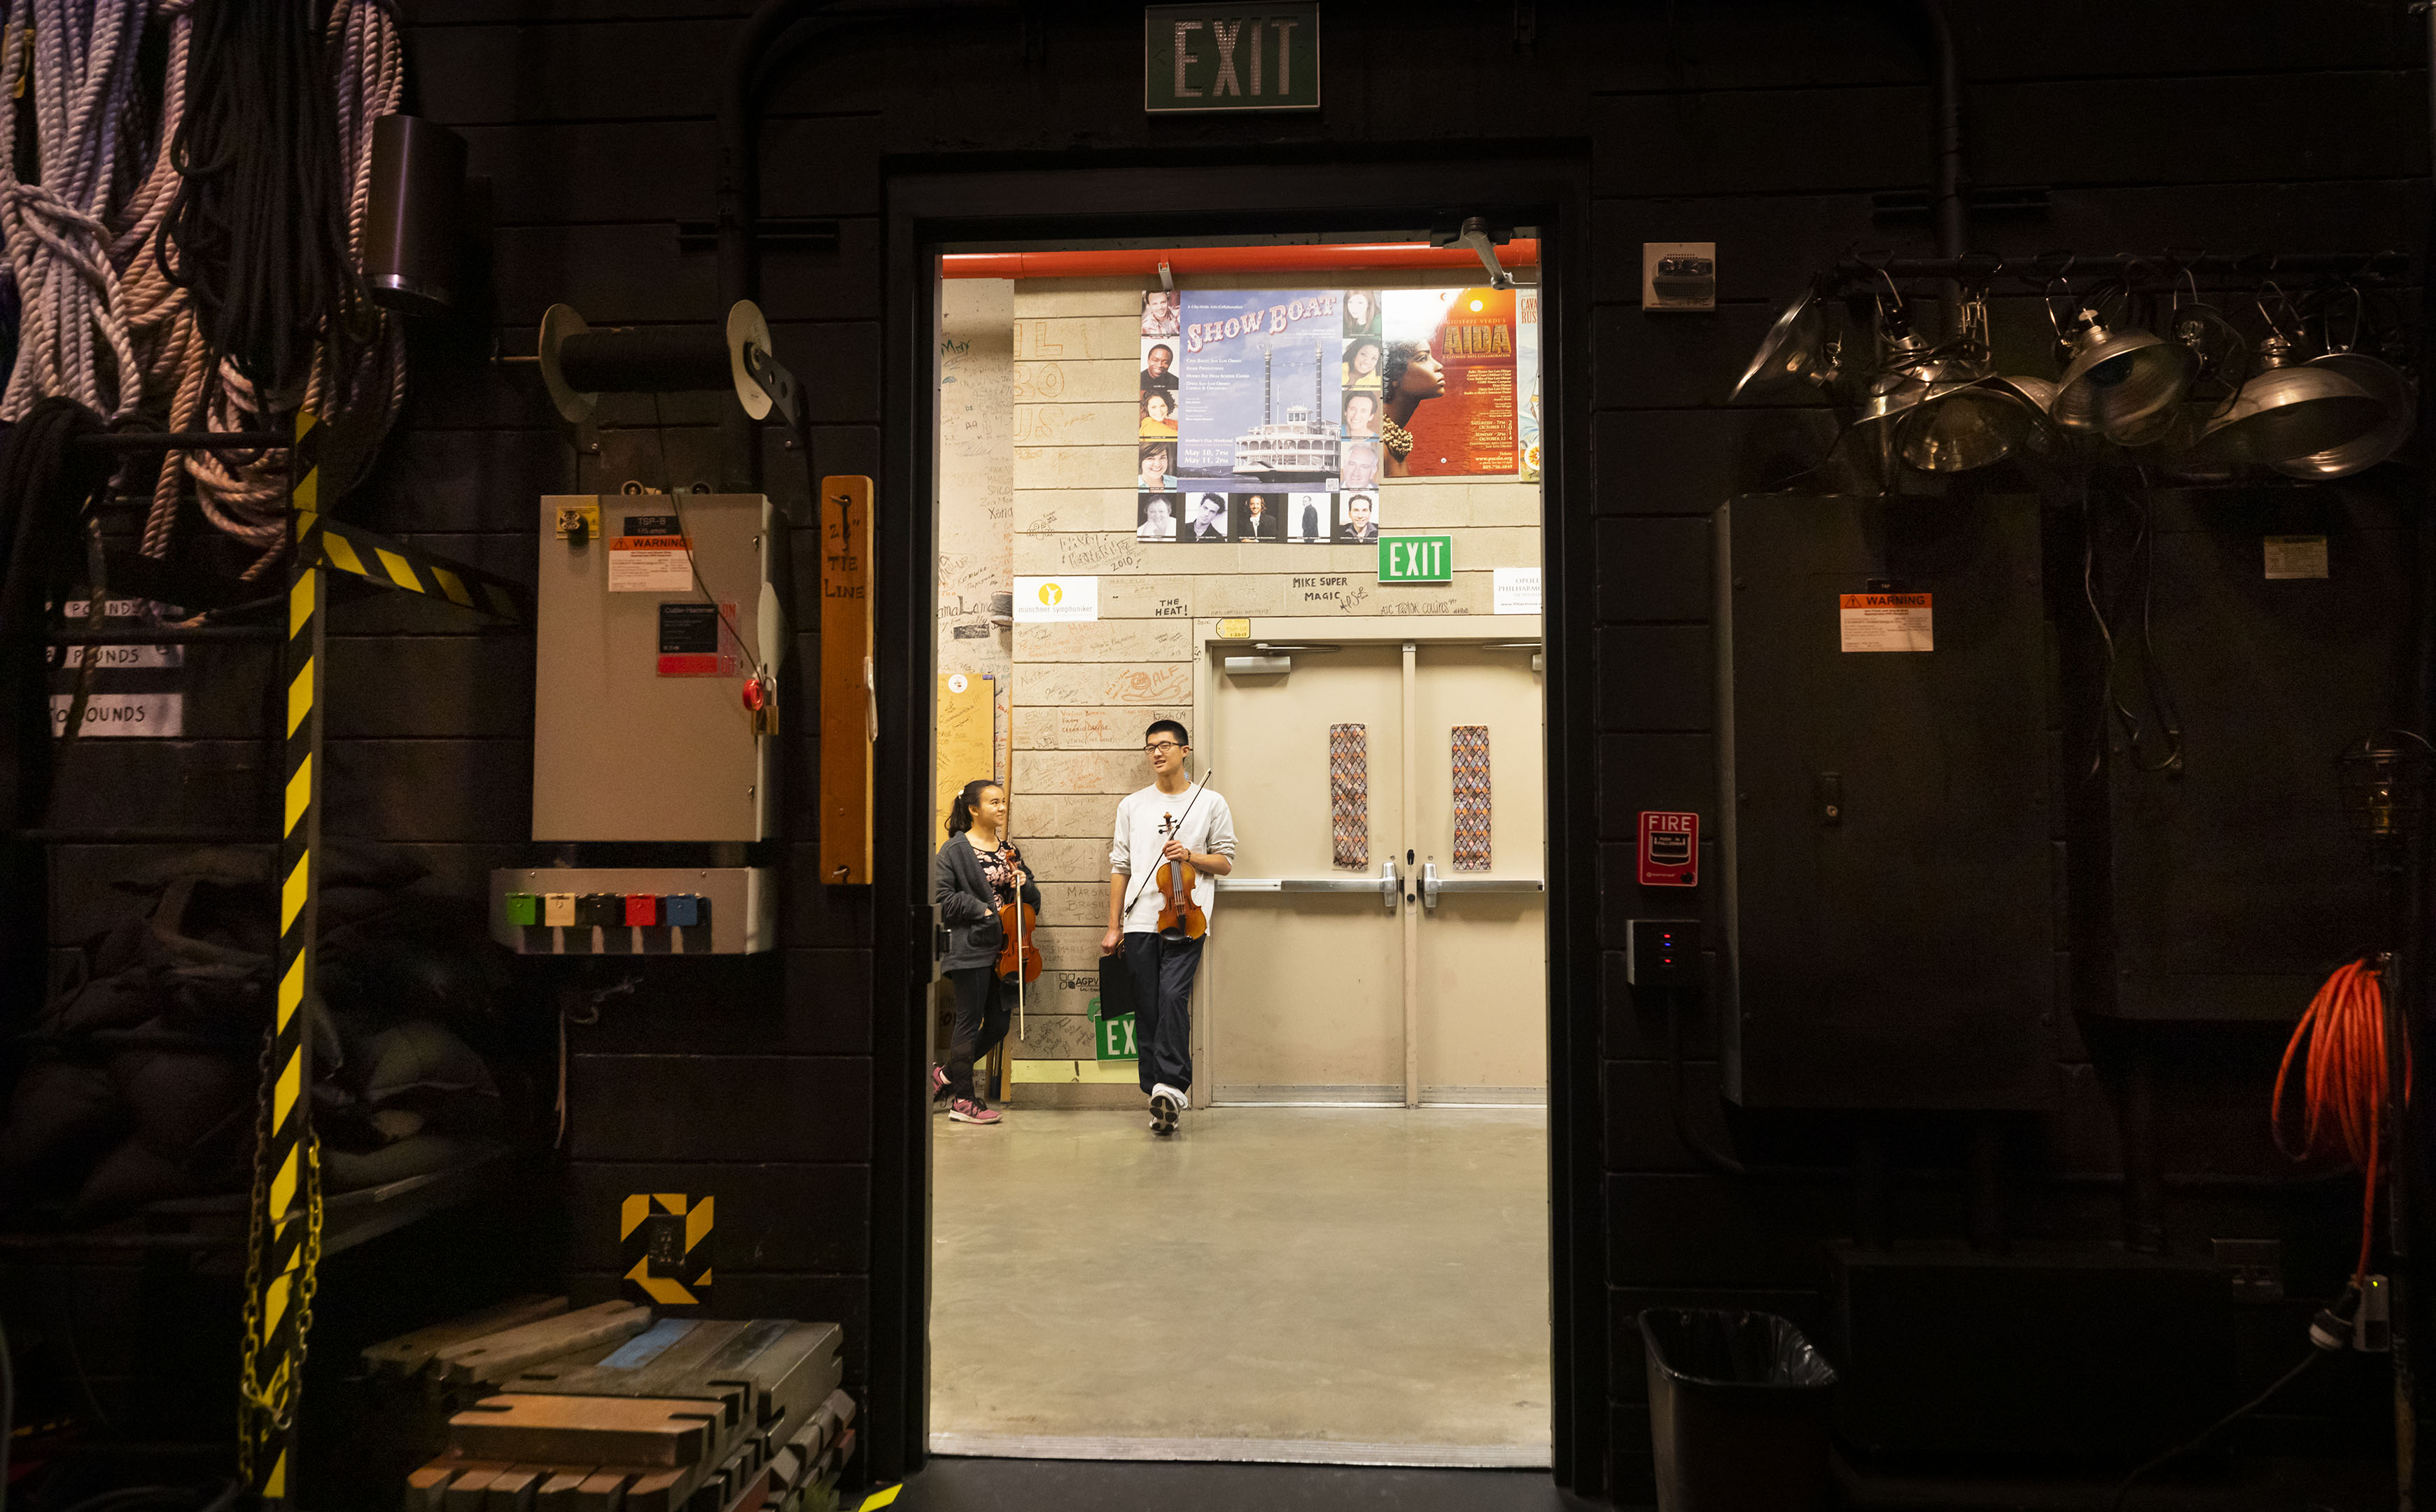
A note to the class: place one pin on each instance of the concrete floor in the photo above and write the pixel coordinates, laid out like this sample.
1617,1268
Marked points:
1332,1285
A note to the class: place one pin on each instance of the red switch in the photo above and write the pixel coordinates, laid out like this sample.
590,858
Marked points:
642,908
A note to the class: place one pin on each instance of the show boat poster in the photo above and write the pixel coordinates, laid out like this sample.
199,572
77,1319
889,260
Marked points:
1261,403
1469,427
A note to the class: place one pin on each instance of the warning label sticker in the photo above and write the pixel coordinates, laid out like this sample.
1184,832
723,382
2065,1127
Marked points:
698,640
2296,556
649,564
1887,621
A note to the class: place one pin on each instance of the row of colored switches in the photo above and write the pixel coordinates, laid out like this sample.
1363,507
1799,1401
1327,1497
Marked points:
680,910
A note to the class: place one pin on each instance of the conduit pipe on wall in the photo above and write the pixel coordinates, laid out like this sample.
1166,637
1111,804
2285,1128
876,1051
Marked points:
1295,258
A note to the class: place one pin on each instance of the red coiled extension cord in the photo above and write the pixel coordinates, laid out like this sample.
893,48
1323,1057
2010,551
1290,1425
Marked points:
2342,1082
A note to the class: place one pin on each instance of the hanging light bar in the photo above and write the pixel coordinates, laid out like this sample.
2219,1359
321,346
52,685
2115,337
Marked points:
1125,262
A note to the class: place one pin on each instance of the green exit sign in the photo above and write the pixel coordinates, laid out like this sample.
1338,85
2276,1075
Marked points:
1112,1038
1230,58
1416,558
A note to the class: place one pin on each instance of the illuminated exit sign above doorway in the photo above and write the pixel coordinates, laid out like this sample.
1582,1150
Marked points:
1230,58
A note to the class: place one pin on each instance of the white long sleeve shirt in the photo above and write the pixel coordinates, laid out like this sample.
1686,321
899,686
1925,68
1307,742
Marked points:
1208,831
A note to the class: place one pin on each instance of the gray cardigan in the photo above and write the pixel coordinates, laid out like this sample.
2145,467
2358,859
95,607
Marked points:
969,905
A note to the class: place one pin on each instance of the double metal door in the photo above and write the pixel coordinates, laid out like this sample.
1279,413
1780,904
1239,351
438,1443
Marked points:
1354,957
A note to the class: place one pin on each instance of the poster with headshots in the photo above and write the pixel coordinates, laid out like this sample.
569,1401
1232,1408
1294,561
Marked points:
1208,514
1357,517
1260,403
1257,518
1447,382
1309,518
1158,517
1161,394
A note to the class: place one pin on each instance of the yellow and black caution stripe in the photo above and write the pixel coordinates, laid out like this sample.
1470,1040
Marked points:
665,1234
395,563
285,1223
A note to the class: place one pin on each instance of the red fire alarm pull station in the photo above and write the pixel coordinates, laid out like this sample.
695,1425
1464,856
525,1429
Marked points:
1670,850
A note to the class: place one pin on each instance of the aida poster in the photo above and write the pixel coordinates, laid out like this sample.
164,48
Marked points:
1447,389
1260,375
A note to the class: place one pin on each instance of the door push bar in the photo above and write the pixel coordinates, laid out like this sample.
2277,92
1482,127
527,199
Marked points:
1386,884
1432,884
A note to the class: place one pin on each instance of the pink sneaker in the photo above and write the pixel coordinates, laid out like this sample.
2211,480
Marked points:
971,1110
938,1079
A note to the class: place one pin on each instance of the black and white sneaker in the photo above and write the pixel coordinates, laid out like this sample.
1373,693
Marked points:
1166,1104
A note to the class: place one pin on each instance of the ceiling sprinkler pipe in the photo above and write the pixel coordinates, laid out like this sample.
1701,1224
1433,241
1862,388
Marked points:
1945,195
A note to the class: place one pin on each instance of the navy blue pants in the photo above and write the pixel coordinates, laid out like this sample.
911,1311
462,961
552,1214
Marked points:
1163,972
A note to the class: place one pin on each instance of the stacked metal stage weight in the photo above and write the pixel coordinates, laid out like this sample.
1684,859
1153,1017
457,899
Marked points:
684,1416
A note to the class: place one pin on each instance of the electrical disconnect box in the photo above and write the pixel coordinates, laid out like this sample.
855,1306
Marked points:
657,643
1889,850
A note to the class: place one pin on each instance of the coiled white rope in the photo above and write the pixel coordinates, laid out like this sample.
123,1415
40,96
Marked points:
58,237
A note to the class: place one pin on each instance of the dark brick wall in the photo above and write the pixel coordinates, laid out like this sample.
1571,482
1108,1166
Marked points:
1763,126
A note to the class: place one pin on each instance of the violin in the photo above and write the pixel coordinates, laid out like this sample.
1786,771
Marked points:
1179,916
1019,923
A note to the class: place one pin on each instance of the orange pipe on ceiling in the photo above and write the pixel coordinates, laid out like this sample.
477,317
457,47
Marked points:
1293,259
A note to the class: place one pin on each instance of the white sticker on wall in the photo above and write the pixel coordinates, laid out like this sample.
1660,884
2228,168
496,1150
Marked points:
649,564
1887,621
1056,600
161,716
1515,590
120,658
2296,556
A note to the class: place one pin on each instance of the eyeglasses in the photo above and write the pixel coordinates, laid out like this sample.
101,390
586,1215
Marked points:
1157,746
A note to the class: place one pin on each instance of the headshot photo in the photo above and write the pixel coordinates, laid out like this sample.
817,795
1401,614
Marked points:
1361,413
1359,521
1206,520
1158,468
1361,363
1159,313
1158,365
1259,517
1358,466
1160,516
1360,312
1157,415
1309,516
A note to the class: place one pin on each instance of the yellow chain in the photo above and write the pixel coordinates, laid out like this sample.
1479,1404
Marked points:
268,1408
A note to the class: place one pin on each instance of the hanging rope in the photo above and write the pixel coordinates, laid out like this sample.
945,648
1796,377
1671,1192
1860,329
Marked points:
56,231
2342,1083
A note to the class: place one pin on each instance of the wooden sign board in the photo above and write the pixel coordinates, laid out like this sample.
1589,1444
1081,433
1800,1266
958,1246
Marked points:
850,697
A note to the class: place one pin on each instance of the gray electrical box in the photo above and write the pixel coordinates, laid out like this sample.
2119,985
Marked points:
653,612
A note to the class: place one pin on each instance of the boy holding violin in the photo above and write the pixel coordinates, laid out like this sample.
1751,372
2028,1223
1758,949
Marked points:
1173,837
982,887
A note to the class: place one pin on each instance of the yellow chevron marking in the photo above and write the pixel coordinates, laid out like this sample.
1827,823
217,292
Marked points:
697,1224
299,605
659,1289
400,570
283,1186
291,991
673,1202
880,1498
453,587
283,1096
632,1212
343,554
300,794
309,489
291,893
276,1486
703,1280
500,602
306,420
300,696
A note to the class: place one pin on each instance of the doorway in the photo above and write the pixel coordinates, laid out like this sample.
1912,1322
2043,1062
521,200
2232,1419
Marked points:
1161,498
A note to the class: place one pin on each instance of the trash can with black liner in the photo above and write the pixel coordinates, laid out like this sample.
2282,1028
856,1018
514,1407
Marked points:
1738,1411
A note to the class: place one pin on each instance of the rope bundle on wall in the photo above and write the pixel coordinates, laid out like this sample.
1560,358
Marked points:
206,267
2342,1084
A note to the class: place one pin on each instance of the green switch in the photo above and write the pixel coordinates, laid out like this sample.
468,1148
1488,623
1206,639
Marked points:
524,909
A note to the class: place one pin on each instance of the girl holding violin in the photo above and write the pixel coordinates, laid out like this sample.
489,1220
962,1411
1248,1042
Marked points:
989,901
1171,839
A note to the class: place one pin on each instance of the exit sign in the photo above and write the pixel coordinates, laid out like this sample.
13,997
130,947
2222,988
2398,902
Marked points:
1112,1039
1230,58
1416,558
